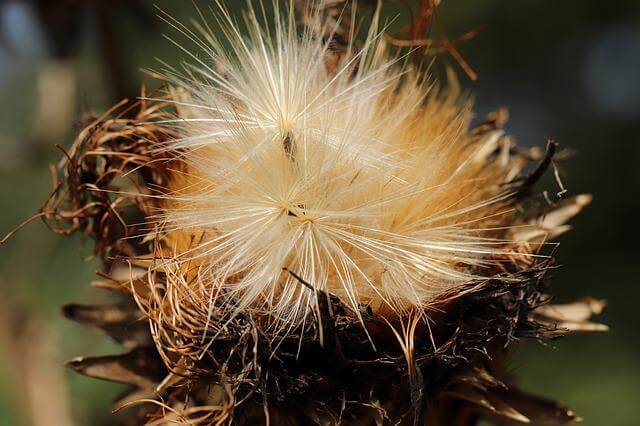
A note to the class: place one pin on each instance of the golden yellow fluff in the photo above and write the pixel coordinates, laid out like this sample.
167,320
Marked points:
353,180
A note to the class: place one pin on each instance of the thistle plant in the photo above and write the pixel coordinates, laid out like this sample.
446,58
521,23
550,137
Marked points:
305,228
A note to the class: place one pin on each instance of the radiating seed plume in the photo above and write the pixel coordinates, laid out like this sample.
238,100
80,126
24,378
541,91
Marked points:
355,179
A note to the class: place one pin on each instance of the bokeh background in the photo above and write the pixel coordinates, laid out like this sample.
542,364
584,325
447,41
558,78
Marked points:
566,69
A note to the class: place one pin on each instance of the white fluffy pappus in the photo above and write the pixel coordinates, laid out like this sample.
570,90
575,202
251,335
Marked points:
354,179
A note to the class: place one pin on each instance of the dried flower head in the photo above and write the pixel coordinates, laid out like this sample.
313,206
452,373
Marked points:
308,229
356,180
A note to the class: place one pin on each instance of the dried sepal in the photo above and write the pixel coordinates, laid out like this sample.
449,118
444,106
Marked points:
539,411
138,367
123,322
552,222
572,316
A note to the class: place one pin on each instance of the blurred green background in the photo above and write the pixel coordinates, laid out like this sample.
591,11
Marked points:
566,69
